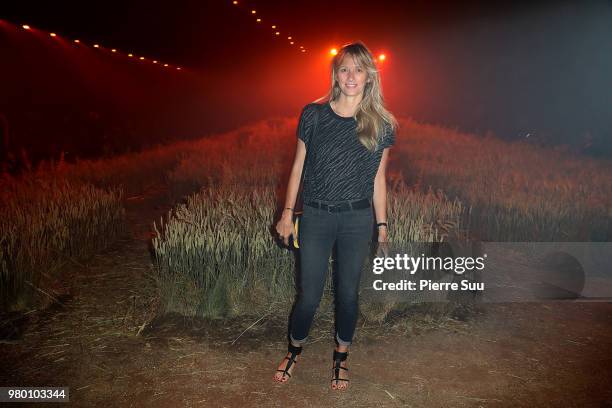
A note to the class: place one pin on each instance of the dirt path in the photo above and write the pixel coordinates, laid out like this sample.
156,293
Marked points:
552,354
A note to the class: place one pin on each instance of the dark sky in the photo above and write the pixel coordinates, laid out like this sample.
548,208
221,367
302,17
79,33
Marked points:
515,68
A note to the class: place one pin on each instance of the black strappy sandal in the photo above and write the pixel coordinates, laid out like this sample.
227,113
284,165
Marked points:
338,358
295,351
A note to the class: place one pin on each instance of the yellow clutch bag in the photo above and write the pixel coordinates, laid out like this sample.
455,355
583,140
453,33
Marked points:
296,226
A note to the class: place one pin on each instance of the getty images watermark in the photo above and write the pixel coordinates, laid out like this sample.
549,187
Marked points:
488,272
410,264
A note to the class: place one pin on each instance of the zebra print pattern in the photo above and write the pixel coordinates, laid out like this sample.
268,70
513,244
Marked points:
338,167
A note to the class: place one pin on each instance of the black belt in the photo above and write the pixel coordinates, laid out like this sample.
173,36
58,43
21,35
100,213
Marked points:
344,206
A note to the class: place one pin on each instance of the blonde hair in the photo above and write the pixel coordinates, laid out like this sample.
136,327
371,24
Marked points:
371,114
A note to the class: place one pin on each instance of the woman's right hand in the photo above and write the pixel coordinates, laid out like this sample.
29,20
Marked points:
284,227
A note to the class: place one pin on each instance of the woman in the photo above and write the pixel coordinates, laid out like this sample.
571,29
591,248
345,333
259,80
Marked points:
345,176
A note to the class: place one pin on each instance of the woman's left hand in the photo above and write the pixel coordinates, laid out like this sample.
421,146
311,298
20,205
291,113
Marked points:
383,246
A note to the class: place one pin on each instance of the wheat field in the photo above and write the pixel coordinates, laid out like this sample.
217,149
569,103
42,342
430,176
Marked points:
215,254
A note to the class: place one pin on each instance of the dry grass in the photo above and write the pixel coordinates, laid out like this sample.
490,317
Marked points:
518,191
46,223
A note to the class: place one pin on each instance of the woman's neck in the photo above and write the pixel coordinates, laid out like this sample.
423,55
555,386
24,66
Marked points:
346,106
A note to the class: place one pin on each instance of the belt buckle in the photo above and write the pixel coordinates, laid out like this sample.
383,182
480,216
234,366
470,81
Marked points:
330,207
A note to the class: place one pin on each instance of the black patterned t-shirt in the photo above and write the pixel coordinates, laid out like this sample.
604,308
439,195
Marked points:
338,166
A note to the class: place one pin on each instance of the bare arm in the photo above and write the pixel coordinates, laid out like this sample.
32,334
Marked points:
294,178
284,227
380,195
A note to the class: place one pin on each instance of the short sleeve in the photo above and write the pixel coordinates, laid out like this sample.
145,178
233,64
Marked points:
388,138
306,122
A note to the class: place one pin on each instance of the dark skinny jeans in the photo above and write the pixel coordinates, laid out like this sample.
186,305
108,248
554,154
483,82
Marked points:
319,229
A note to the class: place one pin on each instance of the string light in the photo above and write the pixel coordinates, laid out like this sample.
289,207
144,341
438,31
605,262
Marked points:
113,50
274,26
290,39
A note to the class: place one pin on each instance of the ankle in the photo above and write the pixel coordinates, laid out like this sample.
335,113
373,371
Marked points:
342,349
